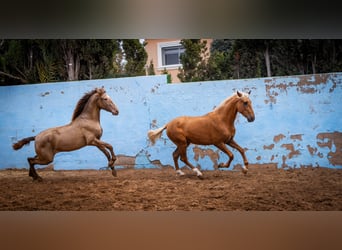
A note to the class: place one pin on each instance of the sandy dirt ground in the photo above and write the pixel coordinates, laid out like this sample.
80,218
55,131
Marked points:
313,189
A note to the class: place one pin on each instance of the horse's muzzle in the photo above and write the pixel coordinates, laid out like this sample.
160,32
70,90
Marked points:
116,112
251,118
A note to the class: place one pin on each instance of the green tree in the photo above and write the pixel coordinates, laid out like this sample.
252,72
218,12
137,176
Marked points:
244,57
49,65
150,69
219,65
33,61
38,60
248,58
71,51
193,62
329,57
29,61
16,61
221,45
98,58
135,56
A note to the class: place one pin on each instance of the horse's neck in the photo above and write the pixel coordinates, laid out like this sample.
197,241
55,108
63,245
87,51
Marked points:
91,111
228,111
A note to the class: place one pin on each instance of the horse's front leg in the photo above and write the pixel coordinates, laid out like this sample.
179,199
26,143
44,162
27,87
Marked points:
224,148
233,144
113,156
103,146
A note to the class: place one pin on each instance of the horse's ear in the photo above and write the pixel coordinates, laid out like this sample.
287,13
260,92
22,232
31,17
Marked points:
100,90
238,93
249,92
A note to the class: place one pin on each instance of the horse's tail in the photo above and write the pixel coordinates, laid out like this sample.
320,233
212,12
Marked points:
154,135
21,143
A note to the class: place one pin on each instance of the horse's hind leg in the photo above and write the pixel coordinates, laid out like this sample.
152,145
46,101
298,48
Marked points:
184,158
175,155
32,171
36,160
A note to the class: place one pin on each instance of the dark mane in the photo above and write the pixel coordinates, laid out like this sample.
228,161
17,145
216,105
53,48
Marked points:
81,104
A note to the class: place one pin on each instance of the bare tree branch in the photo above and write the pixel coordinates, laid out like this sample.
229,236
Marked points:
14,77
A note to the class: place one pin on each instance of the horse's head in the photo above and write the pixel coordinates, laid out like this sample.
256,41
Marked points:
244,106
105,102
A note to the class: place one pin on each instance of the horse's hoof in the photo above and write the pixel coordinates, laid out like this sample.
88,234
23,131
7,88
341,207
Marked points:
200,177
114,173
199,174
221,165
180,173
244,170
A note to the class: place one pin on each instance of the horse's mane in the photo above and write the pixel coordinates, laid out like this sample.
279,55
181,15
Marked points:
81,104
225,100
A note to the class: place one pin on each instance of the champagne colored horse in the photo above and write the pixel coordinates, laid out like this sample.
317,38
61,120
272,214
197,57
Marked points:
215,128
84,129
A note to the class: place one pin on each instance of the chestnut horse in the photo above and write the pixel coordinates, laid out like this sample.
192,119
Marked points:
84,129
215,128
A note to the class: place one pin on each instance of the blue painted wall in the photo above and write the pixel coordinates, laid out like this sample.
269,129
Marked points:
28,109
298,120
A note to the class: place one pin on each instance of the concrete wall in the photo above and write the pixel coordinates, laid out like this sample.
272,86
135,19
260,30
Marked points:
298,120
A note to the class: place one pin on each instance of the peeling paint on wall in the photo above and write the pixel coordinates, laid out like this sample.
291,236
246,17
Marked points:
270,147
278,138
312,150
334,142
200,153
292,152
125,161
297,137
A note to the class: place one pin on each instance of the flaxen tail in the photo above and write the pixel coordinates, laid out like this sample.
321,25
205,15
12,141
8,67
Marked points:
21,143
154,135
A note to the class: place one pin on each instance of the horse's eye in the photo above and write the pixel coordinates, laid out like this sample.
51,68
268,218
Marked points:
245,104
